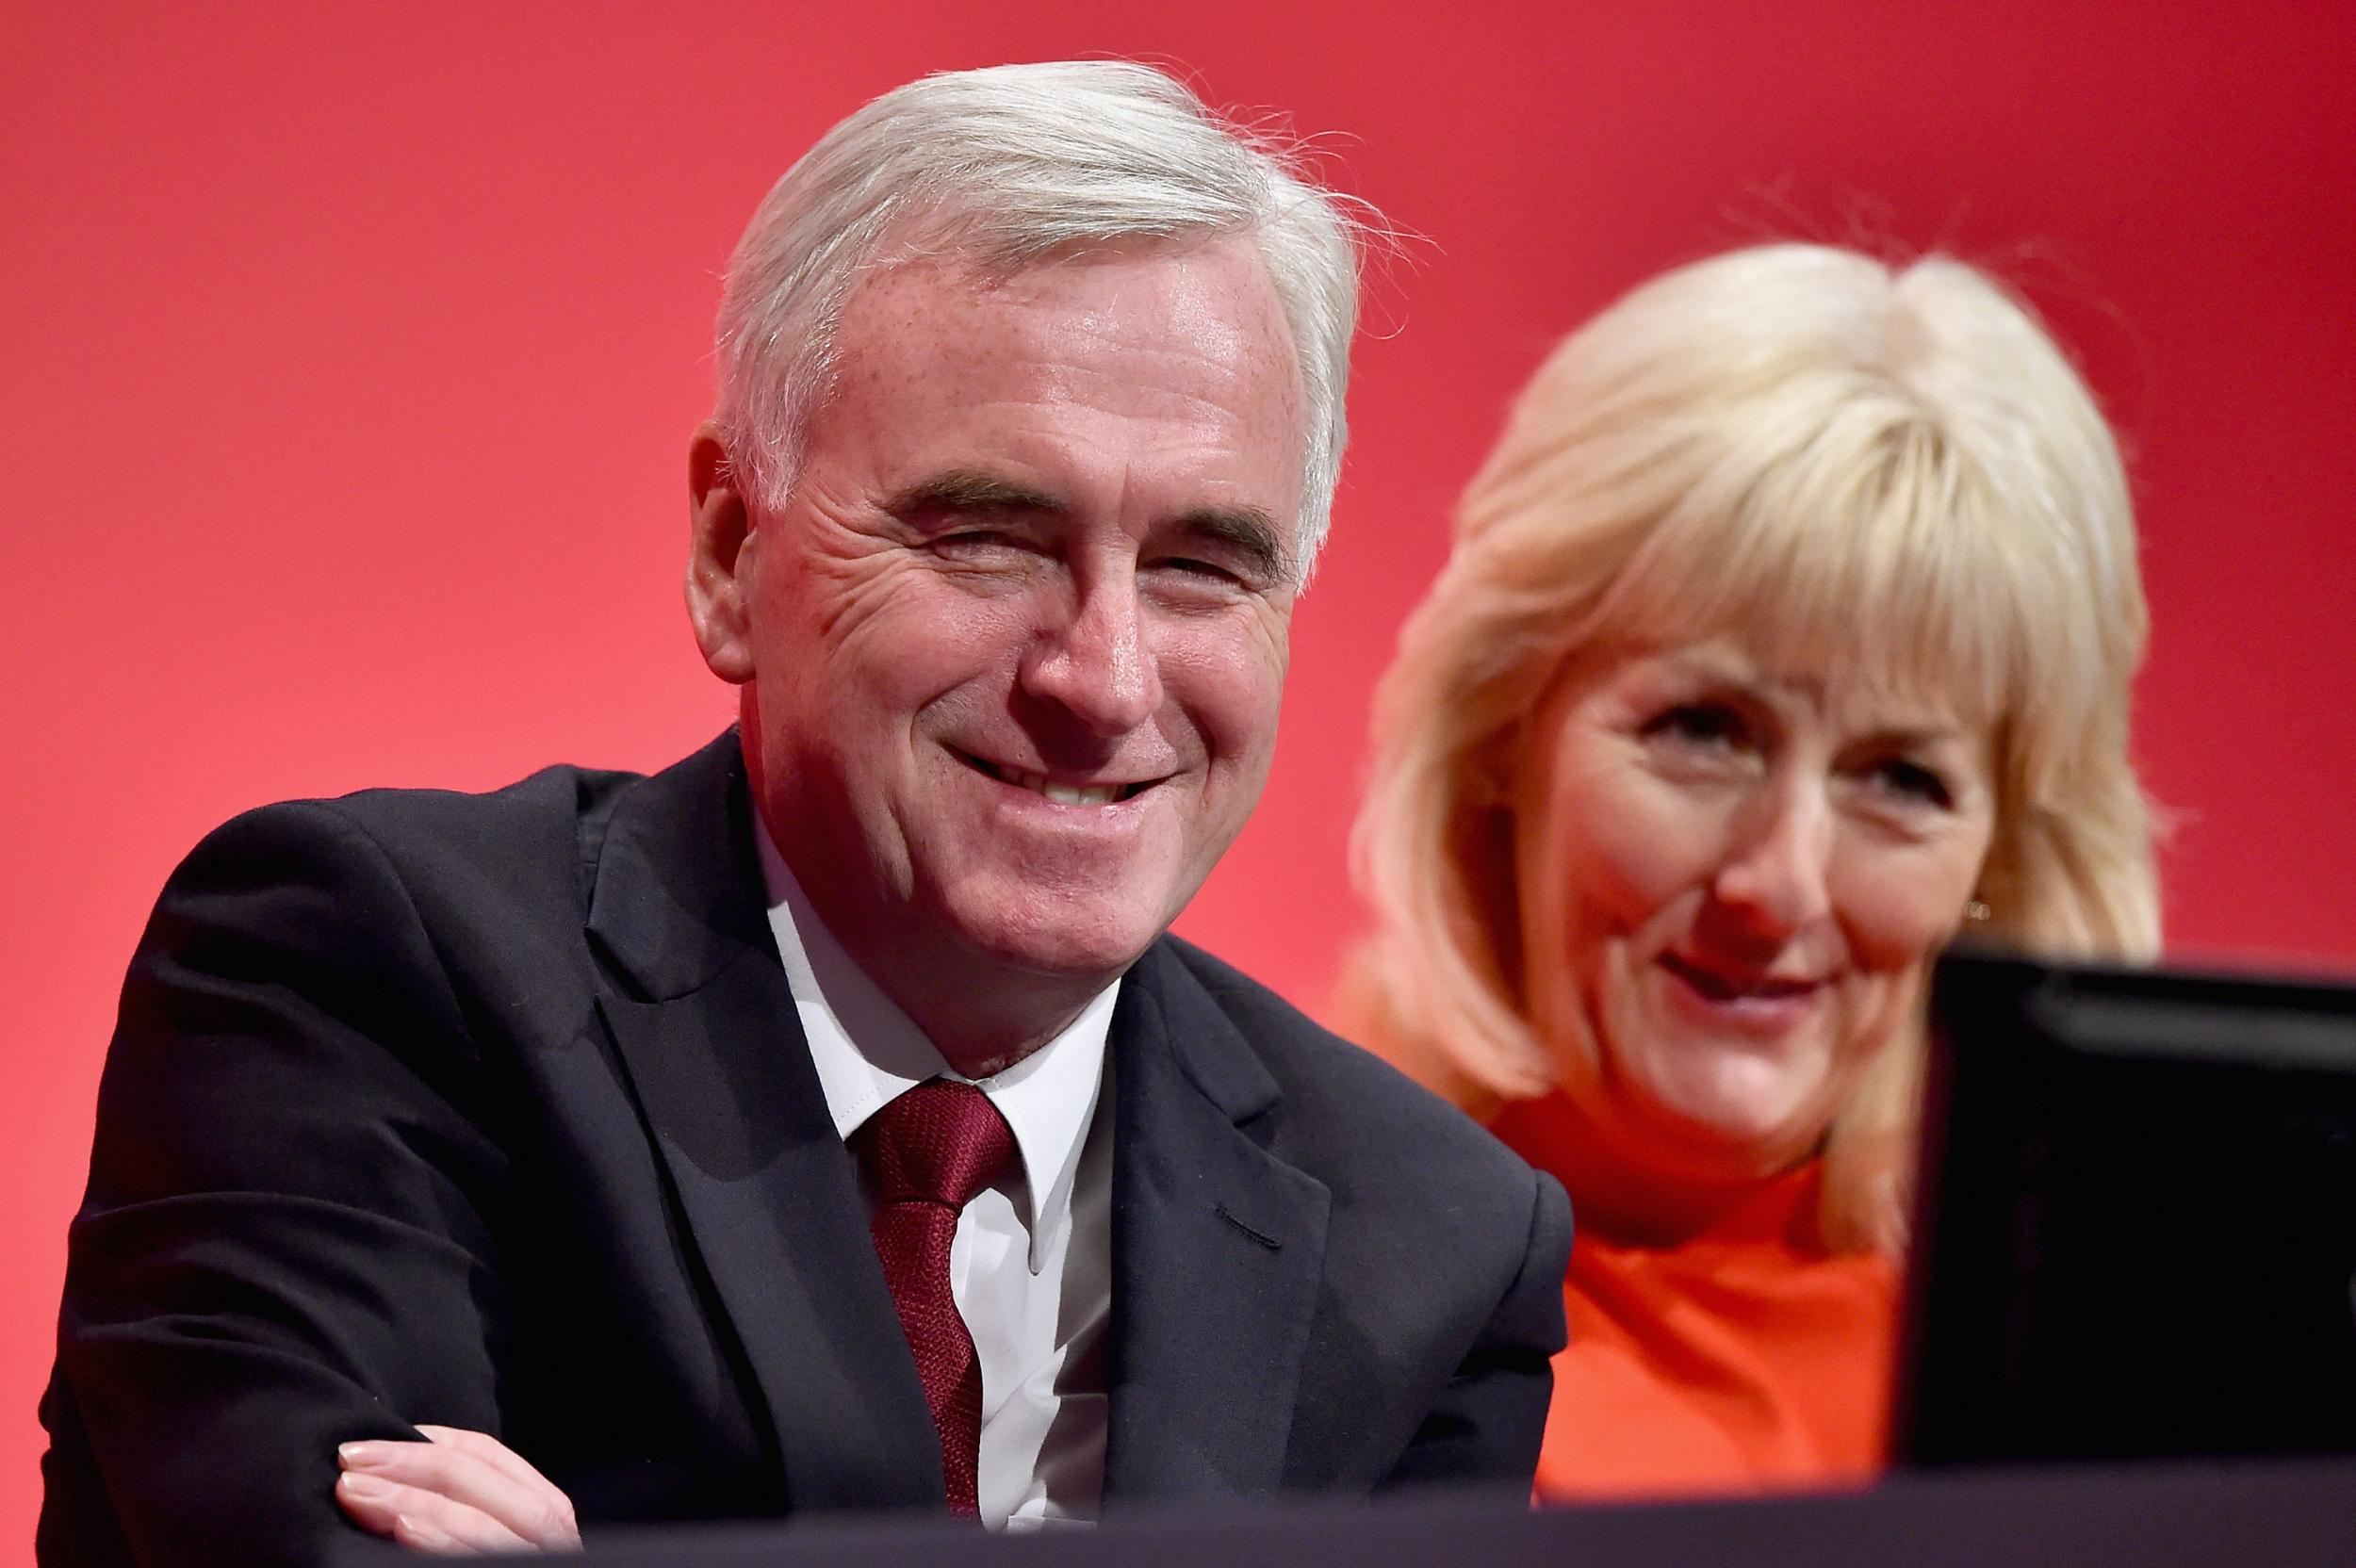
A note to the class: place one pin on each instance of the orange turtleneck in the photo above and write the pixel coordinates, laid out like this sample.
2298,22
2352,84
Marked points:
1743,1358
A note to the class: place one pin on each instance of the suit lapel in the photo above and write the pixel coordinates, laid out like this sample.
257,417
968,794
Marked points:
1218,1251
714,1051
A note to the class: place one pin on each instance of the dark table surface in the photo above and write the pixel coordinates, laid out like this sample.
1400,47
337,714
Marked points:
2242,1514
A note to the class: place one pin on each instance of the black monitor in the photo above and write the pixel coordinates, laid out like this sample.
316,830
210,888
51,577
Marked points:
2137,1218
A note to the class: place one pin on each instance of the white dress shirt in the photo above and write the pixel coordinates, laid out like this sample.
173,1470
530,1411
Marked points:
1031,1268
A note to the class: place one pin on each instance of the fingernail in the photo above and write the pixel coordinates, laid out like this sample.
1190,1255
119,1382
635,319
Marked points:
360,1456
363,1486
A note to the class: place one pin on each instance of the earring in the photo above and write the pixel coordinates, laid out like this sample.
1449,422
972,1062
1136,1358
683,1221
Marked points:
1976,911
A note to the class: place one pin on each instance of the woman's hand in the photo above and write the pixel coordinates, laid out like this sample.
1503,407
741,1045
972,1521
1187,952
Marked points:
461,1492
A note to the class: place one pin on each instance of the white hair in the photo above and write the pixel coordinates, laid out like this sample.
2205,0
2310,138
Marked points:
1887,474
1010,167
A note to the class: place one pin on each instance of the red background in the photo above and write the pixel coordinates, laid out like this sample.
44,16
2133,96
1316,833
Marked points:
350,357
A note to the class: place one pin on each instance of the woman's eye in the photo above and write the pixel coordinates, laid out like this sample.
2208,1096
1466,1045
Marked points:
1699,724
1912,781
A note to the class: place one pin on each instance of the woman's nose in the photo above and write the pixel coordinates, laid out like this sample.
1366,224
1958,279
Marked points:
1776,877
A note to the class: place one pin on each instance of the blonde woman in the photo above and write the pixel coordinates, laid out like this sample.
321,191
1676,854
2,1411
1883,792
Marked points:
1788,629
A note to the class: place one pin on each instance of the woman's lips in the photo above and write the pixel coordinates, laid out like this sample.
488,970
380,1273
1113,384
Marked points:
1765,1002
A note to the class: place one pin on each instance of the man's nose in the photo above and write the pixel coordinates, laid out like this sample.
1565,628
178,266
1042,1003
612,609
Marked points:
1096,664
1776,877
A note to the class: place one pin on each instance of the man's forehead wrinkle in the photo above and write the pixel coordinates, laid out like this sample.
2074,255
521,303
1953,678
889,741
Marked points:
1198,328
1064,359
1220,334
1141,401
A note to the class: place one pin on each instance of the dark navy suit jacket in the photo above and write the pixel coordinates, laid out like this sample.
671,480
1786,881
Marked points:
493,1111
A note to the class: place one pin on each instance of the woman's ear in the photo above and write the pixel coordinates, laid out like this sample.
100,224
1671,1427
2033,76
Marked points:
721,523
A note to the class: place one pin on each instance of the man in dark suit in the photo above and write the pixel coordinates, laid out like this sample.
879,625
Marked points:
826,1124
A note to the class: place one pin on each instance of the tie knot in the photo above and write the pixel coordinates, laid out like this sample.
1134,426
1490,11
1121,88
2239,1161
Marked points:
938,1143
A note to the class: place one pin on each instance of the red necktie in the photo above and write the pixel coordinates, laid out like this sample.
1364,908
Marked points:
929,1151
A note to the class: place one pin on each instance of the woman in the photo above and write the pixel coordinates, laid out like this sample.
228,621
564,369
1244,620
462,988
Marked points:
1788,627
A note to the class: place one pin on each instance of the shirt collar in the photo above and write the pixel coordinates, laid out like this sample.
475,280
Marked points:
868,1052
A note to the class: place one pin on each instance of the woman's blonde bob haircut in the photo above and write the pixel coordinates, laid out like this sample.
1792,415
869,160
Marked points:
1888,476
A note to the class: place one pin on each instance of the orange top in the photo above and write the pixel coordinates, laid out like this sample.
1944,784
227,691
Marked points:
1743,1358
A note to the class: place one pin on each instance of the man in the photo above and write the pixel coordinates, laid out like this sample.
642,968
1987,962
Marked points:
825,1124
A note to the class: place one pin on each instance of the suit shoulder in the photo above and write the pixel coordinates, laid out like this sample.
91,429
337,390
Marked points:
538,815
507,859
562,795
1344,1089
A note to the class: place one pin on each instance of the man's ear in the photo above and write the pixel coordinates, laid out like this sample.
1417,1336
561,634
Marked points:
717,559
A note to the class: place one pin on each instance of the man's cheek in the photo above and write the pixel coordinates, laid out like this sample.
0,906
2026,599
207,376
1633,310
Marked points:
1236,682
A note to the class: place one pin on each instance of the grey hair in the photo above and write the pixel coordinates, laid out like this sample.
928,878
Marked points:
1010,167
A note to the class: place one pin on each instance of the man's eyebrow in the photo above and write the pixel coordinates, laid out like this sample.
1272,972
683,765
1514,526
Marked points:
1246,529
965,490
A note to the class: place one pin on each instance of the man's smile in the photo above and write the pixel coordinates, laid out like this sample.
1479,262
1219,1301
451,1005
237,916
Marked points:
1062,792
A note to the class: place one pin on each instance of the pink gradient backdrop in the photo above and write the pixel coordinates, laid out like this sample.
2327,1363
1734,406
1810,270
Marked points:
351,355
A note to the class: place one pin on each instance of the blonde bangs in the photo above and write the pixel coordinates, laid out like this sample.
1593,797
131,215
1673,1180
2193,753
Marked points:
1872,555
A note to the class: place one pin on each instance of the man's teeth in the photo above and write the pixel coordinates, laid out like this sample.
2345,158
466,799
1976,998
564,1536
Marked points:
1064,794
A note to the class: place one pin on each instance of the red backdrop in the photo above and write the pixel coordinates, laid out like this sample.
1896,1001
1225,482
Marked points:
350,358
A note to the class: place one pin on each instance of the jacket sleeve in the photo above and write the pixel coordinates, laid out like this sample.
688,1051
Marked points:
285,1242
1485,1427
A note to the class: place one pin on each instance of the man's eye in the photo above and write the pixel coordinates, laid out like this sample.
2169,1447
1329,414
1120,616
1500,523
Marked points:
968,541
1707,725
1195,570
1912,781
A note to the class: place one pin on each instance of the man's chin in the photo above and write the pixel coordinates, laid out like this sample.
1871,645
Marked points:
1070,943
1079,958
